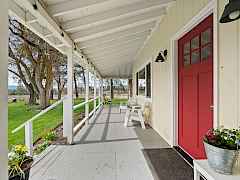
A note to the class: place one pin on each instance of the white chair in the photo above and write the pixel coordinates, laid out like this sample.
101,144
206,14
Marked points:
134,113
122,106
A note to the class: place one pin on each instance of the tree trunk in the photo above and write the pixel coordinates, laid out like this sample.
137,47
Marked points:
111,88
51,93
32,97
130,93
75,85
59,94
84,78
44,98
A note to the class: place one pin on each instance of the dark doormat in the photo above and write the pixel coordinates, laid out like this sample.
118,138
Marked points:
167,164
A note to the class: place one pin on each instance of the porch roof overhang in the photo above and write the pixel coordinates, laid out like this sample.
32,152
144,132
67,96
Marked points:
106,35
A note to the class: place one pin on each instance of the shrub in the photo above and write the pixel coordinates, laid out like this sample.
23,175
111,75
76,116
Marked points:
41,147
224,138
51,136
17,158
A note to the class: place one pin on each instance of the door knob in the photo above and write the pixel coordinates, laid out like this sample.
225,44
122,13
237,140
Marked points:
211,107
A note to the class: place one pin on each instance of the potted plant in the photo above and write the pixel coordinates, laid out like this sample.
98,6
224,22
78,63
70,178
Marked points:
19,163
222,148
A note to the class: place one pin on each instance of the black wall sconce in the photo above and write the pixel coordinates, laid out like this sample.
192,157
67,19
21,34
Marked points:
162,56
35,6
75,46
231,11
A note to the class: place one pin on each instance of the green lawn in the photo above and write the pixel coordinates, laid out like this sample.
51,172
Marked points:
19,112
118,101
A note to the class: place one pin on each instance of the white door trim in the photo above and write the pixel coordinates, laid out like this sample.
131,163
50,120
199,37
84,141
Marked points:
211,8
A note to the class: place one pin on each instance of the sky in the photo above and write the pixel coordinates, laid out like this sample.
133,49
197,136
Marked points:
11,80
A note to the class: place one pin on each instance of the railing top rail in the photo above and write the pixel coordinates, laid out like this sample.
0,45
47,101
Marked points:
50,108
80,105
83,103
39,114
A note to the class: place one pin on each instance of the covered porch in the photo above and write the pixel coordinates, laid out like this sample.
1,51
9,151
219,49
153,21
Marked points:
104,149
143,41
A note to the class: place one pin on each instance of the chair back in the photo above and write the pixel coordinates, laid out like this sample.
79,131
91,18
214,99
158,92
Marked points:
132,101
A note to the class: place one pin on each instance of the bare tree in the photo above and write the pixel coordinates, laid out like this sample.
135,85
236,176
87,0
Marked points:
33,61
18,64
60,76
78,73
111,88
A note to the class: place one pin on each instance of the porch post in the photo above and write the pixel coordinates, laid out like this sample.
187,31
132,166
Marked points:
99,91
87,95
130,88
4,90
102,100
29,138
95,94
110,89
68,102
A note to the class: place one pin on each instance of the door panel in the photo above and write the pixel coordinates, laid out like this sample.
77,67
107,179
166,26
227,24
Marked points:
205,107
190,111
195,87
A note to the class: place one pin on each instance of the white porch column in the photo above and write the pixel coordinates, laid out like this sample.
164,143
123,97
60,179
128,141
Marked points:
95,93
68,102
29,137
110,90
101,90
87,95
4,90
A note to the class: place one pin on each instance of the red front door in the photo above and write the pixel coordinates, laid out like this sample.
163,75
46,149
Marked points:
195,87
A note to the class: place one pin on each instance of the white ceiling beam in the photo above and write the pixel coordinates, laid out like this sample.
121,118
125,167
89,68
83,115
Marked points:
45,20
32,20
19,10
67,7
130,22
19,14
114,56
79,36
120,36
49,35
112,60
113,43
113,15
113,52
116,45
114,65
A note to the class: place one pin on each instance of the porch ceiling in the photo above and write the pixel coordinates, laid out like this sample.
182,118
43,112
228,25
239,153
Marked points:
109,33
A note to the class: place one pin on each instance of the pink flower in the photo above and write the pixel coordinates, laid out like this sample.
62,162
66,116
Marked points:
210,136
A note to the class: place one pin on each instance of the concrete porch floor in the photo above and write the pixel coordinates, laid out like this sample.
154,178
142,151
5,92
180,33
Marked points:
103,150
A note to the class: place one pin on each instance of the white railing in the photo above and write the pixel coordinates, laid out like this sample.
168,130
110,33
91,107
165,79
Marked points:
29,129
39,114
29,123
79,125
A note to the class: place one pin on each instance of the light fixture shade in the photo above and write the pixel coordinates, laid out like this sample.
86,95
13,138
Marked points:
230,8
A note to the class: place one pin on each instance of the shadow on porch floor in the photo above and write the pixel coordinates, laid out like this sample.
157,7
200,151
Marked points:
104,150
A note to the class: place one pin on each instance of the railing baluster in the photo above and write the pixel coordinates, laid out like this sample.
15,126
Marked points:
29,137
87,96
95,94
28,125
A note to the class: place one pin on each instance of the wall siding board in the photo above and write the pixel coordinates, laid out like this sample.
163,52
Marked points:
229,69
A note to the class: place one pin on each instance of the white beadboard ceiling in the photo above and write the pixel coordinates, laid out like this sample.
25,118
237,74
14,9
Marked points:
108,33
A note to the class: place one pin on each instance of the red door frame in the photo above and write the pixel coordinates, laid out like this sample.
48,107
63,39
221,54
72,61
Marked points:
206,65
